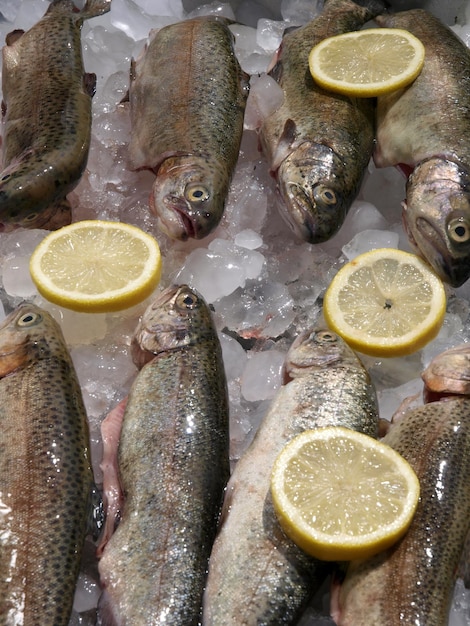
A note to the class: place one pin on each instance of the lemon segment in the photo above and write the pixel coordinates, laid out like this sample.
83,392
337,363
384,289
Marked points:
385,303
96,266
342,495
367,63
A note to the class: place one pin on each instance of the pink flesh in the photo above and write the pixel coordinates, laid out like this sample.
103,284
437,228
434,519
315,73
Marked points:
112,492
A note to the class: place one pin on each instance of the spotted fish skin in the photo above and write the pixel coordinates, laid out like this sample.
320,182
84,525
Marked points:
47,121
423,129
45,474
187,98
174,464
411,584
318,143
256,574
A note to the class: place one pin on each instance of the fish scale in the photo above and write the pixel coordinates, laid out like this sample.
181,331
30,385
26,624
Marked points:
46,479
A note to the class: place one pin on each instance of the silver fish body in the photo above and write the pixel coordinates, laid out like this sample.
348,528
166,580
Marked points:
411,584
318,143
45,474
423,128
173,463
47,121
256,574
187,98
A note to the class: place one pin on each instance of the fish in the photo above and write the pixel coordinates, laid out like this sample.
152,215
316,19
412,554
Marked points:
422,129
257,575
448,374
187,122
46,117
318,143
46,480
173,461
412,582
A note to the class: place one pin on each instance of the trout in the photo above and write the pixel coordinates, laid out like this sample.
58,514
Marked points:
256,574
47,117
317,143
46,479
187,99
411,584
423,130
173,464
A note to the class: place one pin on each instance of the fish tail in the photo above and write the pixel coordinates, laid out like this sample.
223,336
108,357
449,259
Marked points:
93,8
374,7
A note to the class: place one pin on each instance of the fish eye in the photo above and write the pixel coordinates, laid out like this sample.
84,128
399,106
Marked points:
187,301
459,230
30,217
326,336
325,195
196,193
29,319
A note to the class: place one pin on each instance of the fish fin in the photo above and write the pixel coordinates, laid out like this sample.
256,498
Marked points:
285,143
93,8
61,215
89,83
12,37
373,8
106,616
96,516
112,492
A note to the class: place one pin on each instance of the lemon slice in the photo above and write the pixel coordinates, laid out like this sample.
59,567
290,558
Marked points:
96,266
385,303
342,495
367,63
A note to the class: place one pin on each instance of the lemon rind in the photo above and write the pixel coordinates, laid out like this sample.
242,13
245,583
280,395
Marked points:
370,89
329,548
361,341
133,293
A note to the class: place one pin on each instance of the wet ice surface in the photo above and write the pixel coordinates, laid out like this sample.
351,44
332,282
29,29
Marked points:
264,285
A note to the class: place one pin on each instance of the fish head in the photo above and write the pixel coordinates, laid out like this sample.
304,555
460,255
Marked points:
316,348
315,192
436,217
186,197
448,373
27,334
177,318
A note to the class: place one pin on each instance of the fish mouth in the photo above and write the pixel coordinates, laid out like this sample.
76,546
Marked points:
175,220
297,210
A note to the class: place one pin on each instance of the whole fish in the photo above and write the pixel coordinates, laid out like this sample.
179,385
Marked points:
45,475
412,583
173,465
318,143
47,117
187,98
256,574
423,129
